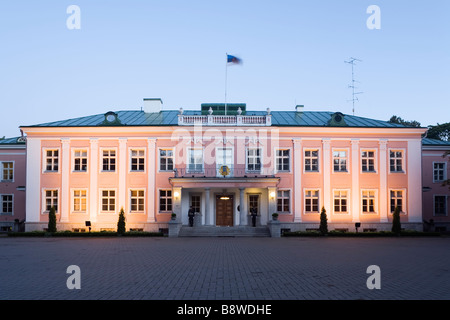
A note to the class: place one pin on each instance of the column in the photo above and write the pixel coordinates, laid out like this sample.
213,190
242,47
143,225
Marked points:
65,171
327,177
208,217
356,193
413,166
33,182
297,179
384,207
122,174
151,173
243,207
93,179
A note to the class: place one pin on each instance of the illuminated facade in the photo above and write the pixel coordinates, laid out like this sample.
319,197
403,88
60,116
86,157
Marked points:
223,163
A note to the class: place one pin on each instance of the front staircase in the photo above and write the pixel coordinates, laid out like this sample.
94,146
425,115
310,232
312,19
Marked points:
215,231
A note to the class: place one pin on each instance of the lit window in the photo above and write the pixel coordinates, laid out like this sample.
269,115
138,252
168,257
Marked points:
340,201
7,171
79,200
137,201
368,201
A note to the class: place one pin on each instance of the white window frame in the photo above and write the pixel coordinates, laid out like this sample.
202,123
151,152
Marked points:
8,169
81,157
166,157
375,162
347,160
109,157
72,194
404,203
12,204
44,199
130,198
247,163
231,165
319,197
100,203
348,198
375,201
445,202
276,157
44,160
444,169
289,199
188,162
319,155
165,197
138,149
402,159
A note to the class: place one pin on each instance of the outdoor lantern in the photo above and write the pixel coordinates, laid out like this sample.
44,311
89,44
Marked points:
357,225
88,224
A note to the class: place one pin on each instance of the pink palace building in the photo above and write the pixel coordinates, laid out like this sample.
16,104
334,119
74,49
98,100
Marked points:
223,161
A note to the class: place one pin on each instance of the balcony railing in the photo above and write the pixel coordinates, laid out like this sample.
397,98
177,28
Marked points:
237,171
223,120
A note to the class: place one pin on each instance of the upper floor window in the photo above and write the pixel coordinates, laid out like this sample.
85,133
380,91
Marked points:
439,171
137,160
52,160
166,160
7,171
80,160
282,159
195,160
396,160
254,159
6,204
368,161
109,160
312,160
339,161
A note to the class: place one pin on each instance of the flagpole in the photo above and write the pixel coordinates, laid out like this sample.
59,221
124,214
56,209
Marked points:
226,76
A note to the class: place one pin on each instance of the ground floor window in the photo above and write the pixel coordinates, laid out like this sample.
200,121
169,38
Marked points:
440,205
6,203
79,200
137,200
368,201
311,201
109,200
283,201
340,201
165,200
51,200
397,200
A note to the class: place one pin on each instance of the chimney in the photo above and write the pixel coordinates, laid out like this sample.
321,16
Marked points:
152,105
299,108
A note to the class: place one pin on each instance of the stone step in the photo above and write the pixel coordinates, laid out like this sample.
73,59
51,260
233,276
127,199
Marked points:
215,231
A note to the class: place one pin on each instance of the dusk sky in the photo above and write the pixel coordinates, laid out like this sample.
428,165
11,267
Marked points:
293,52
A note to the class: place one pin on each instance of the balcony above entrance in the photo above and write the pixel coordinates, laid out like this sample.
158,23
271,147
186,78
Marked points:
217,114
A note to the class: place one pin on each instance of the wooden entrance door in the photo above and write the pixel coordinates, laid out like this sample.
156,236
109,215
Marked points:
224,210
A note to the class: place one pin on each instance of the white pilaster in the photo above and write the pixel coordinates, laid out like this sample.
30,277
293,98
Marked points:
33,183
93,180
151,172
384,206
243,207
65,171
356,193
208,215
327,177
414,171
297,161
123,157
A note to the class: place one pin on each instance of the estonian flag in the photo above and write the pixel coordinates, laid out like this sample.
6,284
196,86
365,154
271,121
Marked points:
233,59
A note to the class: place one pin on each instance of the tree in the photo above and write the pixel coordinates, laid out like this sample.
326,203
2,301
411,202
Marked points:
396,225
51,220
439,132
398,120
121,222
323,222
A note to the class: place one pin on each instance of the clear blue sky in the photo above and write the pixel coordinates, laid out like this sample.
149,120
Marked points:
293,53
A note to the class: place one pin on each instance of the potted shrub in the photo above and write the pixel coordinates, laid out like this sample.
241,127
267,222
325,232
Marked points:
274,216
174,216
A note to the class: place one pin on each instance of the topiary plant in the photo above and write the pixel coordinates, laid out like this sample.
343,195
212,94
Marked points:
121,222
51,220
323,222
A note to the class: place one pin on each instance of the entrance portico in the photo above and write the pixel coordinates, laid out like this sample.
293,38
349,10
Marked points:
224,202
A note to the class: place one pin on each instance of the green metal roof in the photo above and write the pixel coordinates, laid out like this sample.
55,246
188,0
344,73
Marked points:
170,118
14,140
435,142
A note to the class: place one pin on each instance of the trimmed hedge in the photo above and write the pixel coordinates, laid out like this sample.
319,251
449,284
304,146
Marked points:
85,234
361,234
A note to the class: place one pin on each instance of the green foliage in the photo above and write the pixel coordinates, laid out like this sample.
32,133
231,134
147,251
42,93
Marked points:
52,220
323,222
439,132
396,225
121,222
398,120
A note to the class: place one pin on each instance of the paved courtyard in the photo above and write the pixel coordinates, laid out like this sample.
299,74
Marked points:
224,268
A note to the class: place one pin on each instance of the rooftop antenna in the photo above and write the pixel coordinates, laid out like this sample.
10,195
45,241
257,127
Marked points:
352,61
